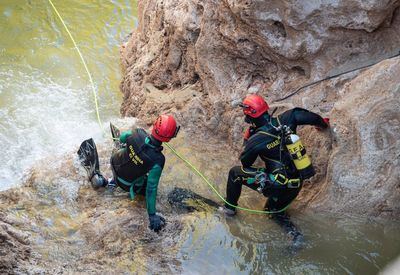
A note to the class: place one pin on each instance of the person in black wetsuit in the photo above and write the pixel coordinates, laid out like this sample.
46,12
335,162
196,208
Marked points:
263,139
138,165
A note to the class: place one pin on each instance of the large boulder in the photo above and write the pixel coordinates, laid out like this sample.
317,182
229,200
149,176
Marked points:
364,172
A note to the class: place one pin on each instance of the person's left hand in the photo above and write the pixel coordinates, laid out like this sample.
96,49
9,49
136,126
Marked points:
156,222
326,120
248,133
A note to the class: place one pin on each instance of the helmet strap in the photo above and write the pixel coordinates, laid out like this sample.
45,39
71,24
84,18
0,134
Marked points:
155,141
248,119
258,121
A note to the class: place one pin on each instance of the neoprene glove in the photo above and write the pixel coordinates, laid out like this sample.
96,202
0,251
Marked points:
326,120
156,222
248,133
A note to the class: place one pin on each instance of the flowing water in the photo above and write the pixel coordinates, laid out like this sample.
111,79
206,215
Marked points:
46,104
47,109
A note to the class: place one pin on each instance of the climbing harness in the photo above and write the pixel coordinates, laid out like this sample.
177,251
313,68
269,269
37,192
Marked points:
334,76
261,180
191,166
283,180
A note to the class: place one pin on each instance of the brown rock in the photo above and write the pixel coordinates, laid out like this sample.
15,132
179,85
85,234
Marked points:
230,48
365,157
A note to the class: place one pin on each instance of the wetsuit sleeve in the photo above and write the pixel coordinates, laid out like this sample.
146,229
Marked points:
299,116
151,189
124,136
252,149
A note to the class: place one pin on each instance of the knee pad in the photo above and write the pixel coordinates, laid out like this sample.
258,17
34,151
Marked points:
98,181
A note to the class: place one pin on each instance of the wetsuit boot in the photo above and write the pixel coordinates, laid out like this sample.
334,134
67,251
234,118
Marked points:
297,238
98,181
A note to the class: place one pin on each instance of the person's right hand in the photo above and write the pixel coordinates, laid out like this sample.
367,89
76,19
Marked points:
326,120
156,222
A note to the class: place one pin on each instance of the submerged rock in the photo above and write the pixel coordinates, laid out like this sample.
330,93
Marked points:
183,199
57,223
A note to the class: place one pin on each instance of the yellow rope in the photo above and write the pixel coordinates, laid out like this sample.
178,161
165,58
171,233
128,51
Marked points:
191,166
204,178
83,62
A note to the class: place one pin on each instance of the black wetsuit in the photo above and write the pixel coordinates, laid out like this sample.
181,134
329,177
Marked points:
137,167
265,142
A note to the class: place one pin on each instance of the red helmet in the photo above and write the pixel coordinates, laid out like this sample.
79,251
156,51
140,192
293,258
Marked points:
165,128
254,105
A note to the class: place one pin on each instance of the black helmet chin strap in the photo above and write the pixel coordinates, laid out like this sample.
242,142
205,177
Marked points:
258,121
273,111
155,141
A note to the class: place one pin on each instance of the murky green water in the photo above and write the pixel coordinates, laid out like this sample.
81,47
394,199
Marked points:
46,104
46,108
248,245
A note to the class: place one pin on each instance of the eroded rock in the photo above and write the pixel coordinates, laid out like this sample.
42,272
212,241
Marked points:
227,49
231,48
365,157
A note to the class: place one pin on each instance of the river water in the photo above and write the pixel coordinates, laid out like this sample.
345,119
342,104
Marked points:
46,104
47,109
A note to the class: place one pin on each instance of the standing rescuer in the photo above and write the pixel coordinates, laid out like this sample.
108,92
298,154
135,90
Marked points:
274,140
138,164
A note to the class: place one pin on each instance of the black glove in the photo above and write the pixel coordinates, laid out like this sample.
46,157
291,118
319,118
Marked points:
156,222
248,133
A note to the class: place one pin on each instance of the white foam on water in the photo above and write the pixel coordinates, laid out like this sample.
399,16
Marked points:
40,117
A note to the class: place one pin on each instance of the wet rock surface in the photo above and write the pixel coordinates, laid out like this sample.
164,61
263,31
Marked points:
15,246
199,58
226,49
56,222
363,164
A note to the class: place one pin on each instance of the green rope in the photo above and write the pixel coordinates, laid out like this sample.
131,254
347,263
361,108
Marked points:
194,169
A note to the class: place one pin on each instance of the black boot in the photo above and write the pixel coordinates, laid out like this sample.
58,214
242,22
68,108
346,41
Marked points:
98,181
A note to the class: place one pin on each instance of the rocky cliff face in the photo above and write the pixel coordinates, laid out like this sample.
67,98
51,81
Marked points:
197,58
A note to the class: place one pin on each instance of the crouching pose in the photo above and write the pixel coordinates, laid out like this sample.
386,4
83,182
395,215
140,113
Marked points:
137,164
274,140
